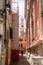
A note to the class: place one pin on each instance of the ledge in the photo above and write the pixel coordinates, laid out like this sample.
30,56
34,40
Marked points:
37,57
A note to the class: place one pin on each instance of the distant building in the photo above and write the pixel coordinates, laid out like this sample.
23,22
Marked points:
22,37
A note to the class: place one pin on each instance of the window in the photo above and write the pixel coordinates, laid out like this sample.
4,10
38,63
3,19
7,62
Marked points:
10,33
21,39
32,21
42,24
32,29
14,6
42,15
21,45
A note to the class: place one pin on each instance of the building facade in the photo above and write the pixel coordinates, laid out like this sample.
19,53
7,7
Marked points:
8,31
5,37
15,19
34,29
15,26
2,33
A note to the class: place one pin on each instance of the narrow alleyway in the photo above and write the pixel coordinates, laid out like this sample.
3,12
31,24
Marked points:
21,31
22,61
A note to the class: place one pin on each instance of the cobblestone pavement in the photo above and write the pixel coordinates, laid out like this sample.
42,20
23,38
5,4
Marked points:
22,61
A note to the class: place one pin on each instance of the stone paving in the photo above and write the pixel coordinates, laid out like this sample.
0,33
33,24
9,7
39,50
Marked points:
22,61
